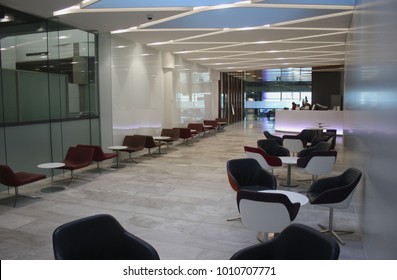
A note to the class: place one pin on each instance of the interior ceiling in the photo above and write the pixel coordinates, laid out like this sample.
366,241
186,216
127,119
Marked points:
223,35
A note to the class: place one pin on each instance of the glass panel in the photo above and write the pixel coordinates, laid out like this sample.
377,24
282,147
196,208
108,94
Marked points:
279,88
47,80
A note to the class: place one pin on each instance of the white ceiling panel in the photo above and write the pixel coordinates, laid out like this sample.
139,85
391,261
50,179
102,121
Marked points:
231,34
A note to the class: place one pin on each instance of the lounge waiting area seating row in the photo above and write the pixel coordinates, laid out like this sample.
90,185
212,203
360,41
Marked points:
83,155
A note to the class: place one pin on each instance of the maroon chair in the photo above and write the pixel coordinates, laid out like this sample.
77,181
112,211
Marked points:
173,133
198,128
212,123
185,134
267,162
134,143
150,144
15,179
99,154
77,158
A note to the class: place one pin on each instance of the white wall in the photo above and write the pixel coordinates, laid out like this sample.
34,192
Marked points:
151,90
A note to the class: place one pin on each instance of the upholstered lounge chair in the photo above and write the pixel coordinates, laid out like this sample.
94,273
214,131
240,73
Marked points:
99,154
13,179
271,147
77,158
267,162
99,237
150,144
295,242
134,143
334,192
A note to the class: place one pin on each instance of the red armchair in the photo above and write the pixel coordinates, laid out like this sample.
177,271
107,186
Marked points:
16,179
99,155
77,158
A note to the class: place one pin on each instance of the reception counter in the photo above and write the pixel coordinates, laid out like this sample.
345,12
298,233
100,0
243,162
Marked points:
296,120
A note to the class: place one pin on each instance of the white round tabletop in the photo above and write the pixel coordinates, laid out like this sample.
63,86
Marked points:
51,165
161,137
293,196
117,147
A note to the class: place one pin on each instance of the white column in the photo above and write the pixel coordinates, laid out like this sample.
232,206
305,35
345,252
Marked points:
169,104
105,88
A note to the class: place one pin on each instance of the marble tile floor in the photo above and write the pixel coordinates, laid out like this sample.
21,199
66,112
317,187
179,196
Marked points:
178,202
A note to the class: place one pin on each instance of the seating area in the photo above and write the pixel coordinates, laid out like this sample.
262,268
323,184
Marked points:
167,201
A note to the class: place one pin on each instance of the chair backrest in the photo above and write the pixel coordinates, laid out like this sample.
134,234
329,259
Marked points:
293,143
246,172
173,133
295,242
337,191
266,212
149,141
134,141
266,161
98,152
268,135
99,237
271,147
307,135
213,123
79,155
185,133
318,162
7,176
199,127
320,146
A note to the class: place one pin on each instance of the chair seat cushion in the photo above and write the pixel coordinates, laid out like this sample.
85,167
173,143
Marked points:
26,177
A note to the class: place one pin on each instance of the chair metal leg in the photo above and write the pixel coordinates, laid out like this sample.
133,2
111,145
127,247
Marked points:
331,229
16,196
234,219
99,169
130,158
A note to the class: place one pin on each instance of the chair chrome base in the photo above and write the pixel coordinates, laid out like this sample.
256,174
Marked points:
334,233
52,189
234,219
331,230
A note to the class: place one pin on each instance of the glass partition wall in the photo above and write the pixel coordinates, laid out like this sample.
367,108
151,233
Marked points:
274,89
48,90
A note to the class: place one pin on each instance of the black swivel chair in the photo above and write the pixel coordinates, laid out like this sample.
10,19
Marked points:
295,242
278,139
248,174
334,192
99,237
271,147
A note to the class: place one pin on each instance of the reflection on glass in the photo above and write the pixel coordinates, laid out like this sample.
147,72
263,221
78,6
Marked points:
193,94
50,66
279,88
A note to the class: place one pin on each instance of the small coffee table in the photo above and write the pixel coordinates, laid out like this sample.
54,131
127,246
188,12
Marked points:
289,161
52,166
117,149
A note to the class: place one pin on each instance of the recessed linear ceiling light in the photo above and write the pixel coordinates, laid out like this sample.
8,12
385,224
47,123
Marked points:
7,18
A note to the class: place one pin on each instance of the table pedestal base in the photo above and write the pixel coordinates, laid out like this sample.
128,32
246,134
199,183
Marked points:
52,189
265,236
117,166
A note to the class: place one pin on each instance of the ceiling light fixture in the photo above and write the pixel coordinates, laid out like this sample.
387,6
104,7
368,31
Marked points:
6,18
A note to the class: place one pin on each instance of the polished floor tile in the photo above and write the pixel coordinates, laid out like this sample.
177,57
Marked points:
179,202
